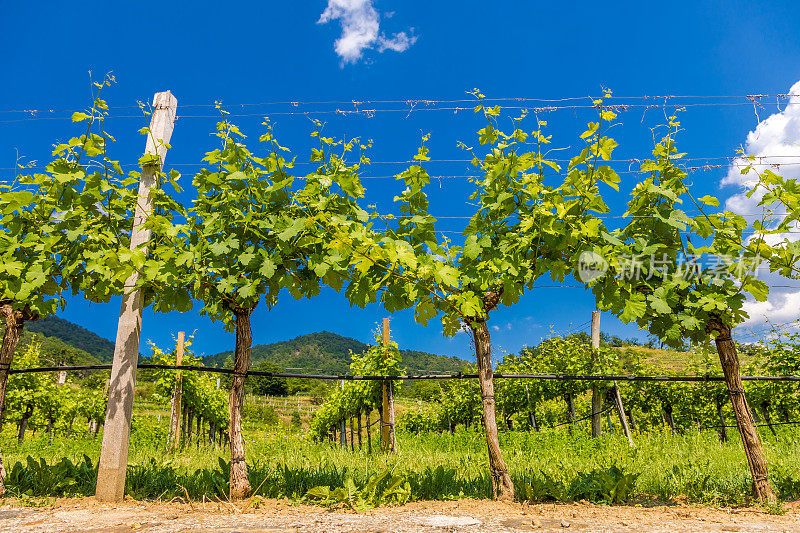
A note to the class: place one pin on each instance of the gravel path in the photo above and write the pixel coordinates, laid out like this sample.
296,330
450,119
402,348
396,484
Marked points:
475,516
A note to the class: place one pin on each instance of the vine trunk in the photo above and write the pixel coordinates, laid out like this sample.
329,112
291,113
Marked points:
729,359
14,320
239,482
502,486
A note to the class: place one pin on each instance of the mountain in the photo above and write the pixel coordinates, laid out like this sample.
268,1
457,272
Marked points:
326,352
52,350
75,336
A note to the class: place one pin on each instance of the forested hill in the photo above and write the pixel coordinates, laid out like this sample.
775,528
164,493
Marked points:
52,351
328,352
74,335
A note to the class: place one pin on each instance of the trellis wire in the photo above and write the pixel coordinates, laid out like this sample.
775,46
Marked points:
458,375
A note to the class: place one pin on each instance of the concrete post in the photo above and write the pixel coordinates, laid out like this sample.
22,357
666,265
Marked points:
116,435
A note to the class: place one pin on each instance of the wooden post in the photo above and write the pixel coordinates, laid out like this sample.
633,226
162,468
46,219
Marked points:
369,433
392,432
113,462
177,393
623,421
184,418
597,396
387,413
359,430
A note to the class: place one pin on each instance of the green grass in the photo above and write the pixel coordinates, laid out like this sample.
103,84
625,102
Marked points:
544,466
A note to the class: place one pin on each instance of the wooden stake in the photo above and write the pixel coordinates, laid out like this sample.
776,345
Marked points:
184,418
369,433
621,412
387,414
113,463
359,430
597,396
177,393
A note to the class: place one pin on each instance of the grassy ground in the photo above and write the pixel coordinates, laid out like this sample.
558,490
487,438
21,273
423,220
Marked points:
552,465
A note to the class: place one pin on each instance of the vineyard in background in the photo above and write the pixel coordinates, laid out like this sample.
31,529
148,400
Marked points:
682,445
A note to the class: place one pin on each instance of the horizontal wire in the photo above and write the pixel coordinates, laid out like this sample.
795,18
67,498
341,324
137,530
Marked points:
429,101
409,110
738,161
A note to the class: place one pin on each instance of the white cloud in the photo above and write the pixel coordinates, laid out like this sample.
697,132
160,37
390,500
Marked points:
780,308
775,138
361,30
399,43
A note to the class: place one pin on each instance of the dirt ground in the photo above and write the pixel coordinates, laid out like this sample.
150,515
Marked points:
263,515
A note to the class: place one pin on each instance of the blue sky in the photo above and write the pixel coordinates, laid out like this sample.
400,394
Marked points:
344,50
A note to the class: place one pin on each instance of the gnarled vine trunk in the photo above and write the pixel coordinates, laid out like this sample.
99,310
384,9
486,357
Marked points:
631,418
531,410
570,399
23,423
729,359
239,482
14,320
502,486
670,418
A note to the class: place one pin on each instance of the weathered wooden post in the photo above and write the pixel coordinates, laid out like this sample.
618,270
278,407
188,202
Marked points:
369,432
597,396
116,437
388,442
177,393
342,427
623,421
359,430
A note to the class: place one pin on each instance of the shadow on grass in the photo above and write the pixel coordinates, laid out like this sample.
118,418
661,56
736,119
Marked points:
163,480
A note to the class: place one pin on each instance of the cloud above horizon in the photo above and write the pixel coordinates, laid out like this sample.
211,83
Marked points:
774,142
360,23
